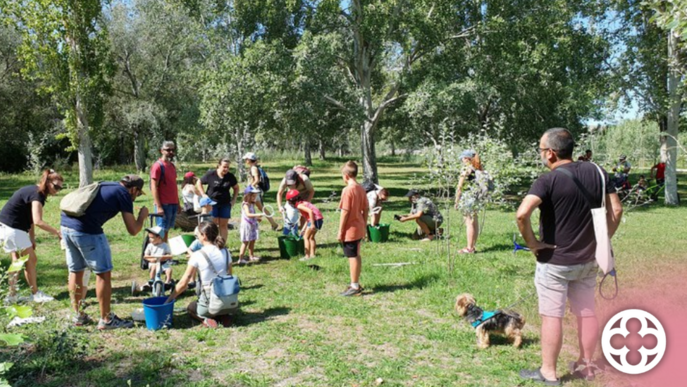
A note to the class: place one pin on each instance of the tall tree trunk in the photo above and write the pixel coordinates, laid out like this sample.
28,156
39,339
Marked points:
85,147
393,147
308,152
369,155
669,146
139,150
240,169
323,150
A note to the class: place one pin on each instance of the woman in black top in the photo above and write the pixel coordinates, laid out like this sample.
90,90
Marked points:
18,217
220,181
466,199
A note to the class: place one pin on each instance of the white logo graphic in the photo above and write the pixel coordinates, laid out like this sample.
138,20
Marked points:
645,330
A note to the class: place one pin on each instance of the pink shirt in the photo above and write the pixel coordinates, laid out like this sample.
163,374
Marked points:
315,211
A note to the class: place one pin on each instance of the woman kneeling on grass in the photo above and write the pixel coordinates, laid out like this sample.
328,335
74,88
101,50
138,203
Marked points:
18,219
212,252
314,218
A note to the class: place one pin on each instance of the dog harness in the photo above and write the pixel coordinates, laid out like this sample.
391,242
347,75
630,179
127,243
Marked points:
484,317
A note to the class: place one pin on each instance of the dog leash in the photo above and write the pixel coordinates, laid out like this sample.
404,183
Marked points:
612,273
521,299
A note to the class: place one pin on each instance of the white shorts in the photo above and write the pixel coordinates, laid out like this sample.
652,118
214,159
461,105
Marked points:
13,239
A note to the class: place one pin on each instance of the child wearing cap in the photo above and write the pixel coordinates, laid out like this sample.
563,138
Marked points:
251,160
352,225
249,225
206,205
314,219
158,249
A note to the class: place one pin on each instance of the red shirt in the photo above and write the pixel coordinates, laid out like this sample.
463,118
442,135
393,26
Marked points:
167,188
660,171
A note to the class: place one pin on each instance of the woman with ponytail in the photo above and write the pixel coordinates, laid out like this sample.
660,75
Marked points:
18,218
213,250
467,198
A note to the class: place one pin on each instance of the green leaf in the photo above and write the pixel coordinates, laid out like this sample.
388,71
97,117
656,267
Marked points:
17,265
4,367
11,339
21,311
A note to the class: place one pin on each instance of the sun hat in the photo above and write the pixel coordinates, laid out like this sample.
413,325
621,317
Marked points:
206,201
469,153
250,156
250,189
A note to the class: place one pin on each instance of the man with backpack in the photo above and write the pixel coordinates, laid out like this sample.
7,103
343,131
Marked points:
259,180
163,187
87,246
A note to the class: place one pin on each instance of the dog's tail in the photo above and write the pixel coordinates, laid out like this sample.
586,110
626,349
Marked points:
516,316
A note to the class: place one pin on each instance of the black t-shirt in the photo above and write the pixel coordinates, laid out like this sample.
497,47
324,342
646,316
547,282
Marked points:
565,215
17,211
219,188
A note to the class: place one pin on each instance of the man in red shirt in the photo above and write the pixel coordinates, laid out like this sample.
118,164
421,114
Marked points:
658,172
163,187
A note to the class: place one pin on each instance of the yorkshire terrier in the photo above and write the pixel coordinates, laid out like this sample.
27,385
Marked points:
505,322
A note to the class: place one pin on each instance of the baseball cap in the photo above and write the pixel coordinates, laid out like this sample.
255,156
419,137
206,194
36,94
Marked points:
411,193
250,189
622,157
250,156
291,177
292,194
469,153
157,230
133,181
189,174
206,201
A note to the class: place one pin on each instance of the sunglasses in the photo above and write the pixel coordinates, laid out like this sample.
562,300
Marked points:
170,150
57,187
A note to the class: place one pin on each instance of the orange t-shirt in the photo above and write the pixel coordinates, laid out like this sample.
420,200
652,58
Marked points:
354,201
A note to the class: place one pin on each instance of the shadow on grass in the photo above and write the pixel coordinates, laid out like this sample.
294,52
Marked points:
501,247
418,283
495,340
248,318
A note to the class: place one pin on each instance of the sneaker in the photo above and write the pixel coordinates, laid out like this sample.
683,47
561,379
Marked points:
352,292
255,259
82,319
11,300
210,323
115,323
242,261
304,259
41,297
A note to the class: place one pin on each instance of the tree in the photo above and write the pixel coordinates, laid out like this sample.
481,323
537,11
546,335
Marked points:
65,46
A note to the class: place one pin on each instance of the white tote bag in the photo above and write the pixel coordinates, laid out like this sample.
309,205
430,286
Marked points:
604,251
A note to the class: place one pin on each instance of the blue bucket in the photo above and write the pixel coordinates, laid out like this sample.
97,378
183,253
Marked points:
158,314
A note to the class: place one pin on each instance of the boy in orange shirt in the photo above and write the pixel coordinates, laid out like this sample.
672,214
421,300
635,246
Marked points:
353,224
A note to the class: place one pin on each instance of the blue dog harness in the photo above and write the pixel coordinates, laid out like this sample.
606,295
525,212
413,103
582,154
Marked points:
485,316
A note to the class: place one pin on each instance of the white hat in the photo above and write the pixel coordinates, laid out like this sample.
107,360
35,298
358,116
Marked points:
157,230
250,156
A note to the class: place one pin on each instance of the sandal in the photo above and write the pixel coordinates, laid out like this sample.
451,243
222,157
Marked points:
466,251
586,370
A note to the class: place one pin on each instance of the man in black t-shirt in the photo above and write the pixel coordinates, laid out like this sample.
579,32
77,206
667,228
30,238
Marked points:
565,253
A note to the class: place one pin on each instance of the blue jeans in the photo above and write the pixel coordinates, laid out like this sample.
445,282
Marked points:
169,218
87,251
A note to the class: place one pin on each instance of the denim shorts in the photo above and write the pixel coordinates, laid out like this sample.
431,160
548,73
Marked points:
556,283
318,224
87,251
222,211
169,218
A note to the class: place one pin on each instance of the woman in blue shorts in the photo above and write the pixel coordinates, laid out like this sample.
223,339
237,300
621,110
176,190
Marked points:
219,183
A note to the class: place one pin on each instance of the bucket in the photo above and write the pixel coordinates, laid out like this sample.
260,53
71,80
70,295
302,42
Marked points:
290,247
378,234
158,314
188,239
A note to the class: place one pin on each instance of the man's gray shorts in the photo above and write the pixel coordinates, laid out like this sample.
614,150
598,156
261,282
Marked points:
556,283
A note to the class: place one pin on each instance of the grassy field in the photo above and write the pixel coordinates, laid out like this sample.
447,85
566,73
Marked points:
295,330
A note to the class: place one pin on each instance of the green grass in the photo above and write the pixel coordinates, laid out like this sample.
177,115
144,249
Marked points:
294,329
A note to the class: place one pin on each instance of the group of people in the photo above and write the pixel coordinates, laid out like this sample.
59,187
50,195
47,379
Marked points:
566,269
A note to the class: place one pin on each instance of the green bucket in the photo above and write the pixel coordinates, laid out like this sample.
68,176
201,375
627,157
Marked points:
290,246
378,234
188,239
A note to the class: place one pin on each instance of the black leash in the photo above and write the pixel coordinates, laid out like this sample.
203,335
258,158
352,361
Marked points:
612,273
